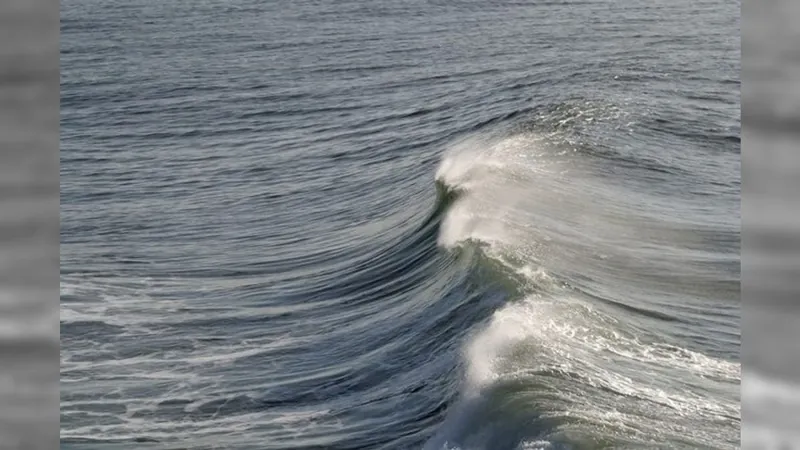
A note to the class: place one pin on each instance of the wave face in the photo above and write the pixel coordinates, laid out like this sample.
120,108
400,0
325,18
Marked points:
439,225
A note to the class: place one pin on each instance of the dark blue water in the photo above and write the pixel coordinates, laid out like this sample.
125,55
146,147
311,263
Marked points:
423,224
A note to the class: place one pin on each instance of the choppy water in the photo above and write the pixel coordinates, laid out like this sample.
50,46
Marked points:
424,224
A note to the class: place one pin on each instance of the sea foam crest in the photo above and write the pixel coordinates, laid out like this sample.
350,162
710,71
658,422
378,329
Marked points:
490,174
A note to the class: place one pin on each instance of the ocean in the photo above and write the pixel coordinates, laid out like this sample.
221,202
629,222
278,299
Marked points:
439,224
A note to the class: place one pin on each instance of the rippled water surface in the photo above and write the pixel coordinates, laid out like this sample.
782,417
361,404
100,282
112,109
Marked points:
423,224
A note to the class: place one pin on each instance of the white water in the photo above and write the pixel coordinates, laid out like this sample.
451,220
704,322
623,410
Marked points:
517,198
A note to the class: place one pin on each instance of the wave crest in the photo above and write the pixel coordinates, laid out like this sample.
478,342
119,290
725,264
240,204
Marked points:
553,358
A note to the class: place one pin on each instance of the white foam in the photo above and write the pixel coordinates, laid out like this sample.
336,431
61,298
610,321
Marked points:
564,335
535,445
515,323
493,177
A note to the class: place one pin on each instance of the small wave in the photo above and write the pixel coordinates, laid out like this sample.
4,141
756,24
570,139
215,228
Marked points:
558,358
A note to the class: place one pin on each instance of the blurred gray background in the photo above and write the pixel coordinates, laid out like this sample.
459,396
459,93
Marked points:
29,224
770,231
